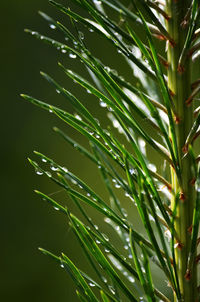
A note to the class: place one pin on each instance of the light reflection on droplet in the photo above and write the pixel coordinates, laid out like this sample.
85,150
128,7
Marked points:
72,55
52,26
102,104
38,172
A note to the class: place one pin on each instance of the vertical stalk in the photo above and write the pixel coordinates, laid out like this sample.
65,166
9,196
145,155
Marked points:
179,82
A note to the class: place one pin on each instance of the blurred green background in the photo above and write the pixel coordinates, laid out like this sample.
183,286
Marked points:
28,222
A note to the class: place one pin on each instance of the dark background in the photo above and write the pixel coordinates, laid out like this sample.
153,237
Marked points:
26,221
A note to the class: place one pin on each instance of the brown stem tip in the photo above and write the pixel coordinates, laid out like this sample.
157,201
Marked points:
177,120
159,37
192,181
184,23
188,275
197,259
185,148
190,229
172,43
182,196
178,245
189,101
171,93
180,69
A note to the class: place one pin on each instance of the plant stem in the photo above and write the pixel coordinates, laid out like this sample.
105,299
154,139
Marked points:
179,82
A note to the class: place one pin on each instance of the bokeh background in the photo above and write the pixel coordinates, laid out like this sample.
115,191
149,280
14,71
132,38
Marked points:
26,221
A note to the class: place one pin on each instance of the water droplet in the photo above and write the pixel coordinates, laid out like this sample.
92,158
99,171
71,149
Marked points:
72,55
107,220
104,279
91,284
97,241
91,30
88,91
33,33
53,168
98,2
151,218
55,208
96,227
198,188
41,37
81,35
48,174
126,247
102,104
131,171
125,273
130,256
50,111
119,51
58,91
114,72
62,265
125,213
117,228
63,51
111,288
106,238
131,279
38,172
52,26
97,135
152,167
107,68
168,234
44,160
143,269
78,117
66,38
142,145
117,186
107,250
65,169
